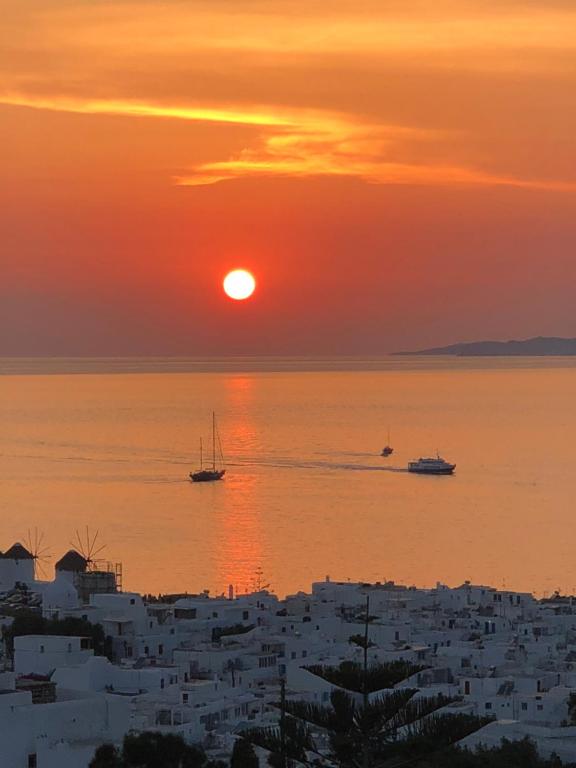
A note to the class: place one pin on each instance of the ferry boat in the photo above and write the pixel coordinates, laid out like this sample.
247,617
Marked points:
437,466
210,474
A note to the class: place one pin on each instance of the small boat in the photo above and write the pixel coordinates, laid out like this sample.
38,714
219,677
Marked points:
437,466
212,473
387,450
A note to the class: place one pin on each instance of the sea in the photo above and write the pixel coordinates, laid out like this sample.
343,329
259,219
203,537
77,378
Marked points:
96,453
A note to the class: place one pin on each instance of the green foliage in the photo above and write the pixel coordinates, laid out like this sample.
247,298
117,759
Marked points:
157,750
430,736
243,755
297,741
152,750
392,729
376,728
234,629
106,756
360,641
350,674
35,624
511,754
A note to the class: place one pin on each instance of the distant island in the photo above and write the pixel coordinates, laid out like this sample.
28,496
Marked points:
541,345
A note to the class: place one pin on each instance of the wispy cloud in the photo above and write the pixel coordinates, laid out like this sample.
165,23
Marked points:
300,143
234,115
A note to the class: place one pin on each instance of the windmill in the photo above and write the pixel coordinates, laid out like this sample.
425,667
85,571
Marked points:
36,545
89,547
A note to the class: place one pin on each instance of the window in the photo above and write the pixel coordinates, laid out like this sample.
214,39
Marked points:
467,688
160,649
185,698
41,649
32,760
146,651
162,683
524,706
214,614
69,647
488,705
539,707
245,616
132,601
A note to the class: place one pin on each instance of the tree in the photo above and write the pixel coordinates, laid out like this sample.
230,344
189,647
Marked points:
510,754
243,755
151,749
106,756
358,729
157,750
27,623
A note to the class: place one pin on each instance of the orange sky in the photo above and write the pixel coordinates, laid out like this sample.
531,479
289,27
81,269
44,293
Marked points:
395,174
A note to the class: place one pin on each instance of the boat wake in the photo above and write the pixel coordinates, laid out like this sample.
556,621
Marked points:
289,463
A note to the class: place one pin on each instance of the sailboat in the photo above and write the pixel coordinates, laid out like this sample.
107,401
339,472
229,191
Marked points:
387,450
212,473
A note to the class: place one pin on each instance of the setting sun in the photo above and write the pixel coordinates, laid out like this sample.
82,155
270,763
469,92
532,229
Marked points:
239,284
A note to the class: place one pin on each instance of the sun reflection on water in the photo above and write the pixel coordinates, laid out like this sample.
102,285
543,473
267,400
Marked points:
238,558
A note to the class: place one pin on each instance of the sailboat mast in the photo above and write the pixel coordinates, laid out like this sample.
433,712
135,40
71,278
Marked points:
213,441
201,453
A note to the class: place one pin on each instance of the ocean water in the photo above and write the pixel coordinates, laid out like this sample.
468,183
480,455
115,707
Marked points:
108,444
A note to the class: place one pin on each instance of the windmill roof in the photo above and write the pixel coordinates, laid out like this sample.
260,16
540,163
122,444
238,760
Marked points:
72,561
18,552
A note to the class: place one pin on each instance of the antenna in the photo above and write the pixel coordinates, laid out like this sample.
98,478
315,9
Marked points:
88,546
36,545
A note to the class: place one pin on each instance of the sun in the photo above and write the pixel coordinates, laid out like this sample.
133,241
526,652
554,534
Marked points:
239,284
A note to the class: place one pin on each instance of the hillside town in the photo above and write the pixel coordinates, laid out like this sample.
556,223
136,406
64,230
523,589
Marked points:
209,668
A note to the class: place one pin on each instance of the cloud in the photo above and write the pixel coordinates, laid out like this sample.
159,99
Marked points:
300,143
369,168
